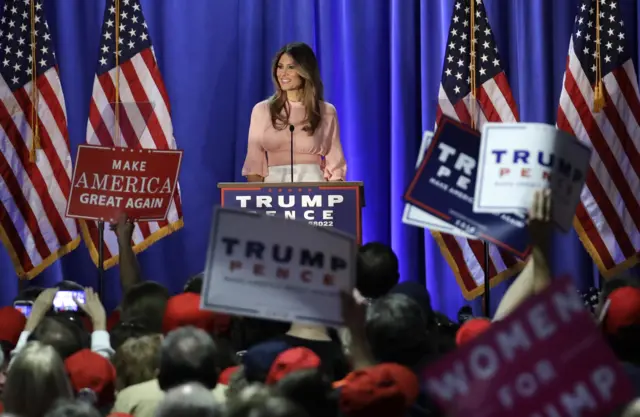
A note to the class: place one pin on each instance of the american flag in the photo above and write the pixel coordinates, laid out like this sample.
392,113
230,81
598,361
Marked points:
144,113
493,103
608,217
35,186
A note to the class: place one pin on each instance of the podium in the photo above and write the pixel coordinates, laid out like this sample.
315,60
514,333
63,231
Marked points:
327,204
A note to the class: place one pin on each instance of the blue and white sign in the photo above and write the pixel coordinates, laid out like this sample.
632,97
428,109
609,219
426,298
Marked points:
415,216
518,158
444,185
273,268
324,206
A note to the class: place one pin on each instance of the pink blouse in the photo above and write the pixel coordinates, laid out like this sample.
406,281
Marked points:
271,147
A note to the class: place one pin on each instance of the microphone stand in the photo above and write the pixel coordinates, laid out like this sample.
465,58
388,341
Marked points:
291,129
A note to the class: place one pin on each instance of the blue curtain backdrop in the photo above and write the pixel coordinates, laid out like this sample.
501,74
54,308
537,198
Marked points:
381,62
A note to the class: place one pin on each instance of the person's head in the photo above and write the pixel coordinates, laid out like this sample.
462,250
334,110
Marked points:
396,329
259,401
311,390
184,310
29,294
63,335
145,302
92,377
188,355
36,380
377,270
129,329
12,324
295,73
190,400
137,361
75,408
194,284
622,324
66,285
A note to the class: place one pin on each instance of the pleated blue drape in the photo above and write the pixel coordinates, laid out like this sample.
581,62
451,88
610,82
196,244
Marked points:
381,62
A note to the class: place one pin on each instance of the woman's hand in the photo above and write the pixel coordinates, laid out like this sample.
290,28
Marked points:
94,309
40,308
255,178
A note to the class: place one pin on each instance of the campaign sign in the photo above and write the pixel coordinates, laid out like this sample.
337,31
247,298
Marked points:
518,158
444,186
545,359
273,268
110,181
336,206
414,216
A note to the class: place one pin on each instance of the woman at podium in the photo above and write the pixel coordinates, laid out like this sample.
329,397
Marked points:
295,129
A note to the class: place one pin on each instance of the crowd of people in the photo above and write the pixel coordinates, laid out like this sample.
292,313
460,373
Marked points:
160,355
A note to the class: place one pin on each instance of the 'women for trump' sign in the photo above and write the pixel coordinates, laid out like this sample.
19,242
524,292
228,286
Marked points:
109,181
546,359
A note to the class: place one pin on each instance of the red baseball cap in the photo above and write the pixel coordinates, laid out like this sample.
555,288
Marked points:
624,309
13,322
184,310
471,329
383,390
225,376
88,370
291,360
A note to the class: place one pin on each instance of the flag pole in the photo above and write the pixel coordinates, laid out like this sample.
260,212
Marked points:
473,115
101,259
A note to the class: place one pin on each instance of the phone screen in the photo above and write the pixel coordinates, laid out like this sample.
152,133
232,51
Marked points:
64,301
24,308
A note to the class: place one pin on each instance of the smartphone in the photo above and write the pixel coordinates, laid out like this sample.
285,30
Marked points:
64,300
24,307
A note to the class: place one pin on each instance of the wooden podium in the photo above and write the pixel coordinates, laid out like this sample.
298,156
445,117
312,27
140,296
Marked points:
328,204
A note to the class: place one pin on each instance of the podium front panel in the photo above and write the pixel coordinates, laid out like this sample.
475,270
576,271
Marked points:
325,206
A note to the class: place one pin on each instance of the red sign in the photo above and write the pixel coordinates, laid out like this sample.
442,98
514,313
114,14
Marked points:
546,359
110,181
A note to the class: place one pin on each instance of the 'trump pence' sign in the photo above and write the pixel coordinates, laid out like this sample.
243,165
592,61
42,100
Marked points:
546,359
278,269
518,158
109,181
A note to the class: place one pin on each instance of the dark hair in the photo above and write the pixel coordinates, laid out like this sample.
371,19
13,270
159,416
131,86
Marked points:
29,294
67,285
60,333
625,343
312,86
146,302
188,355
377,270
396,329
194,285
616,282
311,390
76,408
128,329
249,331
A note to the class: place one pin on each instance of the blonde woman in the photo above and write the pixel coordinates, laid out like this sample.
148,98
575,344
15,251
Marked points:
296,108
36,380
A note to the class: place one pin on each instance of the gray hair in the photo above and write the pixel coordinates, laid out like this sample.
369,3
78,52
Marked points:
189,400
35,381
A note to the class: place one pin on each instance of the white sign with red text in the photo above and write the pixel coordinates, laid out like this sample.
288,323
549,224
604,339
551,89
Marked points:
278,269
516,159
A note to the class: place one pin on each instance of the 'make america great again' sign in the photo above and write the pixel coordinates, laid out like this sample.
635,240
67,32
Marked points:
110,181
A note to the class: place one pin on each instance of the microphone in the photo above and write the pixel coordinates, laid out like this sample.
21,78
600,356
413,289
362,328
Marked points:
291,129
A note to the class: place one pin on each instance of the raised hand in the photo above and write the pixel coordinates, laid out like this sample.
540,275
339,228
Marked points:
93,307
123,228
